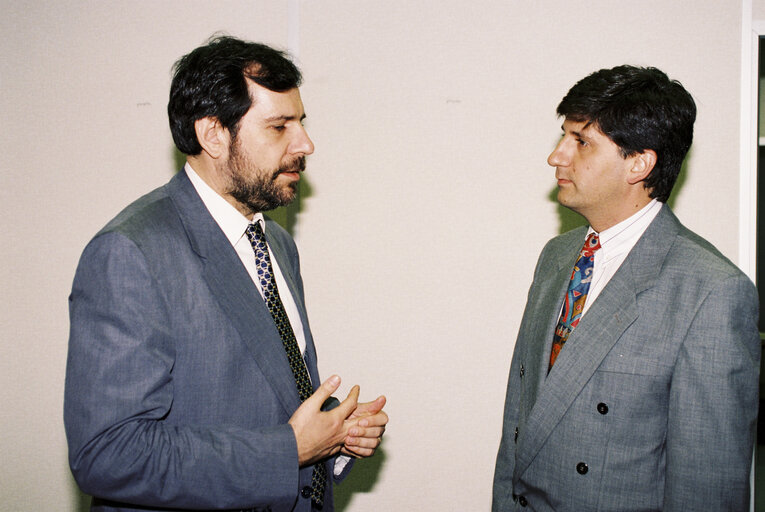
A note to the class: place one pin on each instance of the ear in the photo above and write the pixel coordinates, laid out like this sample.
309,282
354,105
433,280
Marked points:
212,136
642,165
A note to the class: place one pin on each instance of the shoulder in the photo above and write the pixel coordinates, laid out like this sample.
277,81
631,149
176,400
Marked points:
144,216
686,266
149,229
693,253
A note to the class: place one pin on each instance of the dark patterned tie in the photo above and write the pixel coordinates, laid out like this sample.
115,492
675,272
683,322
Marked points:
576,295
276,308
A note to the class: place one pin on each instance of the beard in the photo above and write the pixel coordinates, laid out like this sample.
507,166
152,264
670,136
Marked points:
257,188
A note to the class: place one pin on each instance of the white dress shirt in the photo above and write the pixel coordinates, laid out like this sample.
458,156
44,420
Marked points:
234,224
616,243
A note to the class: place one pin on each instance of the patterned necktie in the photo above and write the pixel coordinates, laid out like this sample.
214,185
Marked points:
573,304
276,308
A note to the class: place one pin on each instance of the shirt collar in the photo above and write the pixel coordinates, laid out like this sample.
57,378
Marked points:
625,234
231,221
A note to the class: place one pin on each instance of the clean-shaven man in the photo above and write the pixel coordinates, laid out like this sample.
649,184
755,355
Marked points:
633,384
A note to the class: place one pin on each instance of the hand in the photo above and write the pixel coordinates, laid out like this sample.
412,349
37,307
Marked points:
321,434
365,436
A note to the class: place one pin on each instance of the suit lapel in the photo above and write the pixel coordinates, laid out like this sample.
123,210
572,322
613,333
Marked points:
613,312
279,252
234,290
548,301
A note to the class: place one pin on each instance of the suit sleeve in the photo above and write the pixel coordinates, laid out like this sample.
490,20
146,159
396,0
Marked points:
713,403
119,387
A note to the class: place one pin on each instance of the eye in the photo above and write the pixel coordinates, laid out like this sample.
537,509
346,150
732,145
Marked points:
582,143
279,127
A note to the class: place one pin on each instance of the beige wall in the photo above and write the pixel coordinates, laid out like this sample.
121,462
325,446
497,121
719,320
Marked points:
424,207
758,10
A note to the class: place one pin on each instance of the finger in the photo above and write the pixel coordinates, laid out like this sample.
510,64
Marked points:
356,431
359,453
361,447
324,391
379,419
362,442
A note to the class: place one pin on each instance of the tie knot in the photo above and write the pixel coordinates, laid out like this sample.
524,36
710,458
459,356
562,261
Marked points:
256,236
591,245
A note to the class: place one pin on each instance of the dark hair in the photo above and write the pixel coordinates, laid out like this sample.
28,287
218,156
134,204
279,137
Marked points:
638,109
212,81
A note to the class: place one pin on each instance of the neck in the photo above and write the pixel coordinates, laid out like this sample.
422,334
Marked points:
611,219
209,171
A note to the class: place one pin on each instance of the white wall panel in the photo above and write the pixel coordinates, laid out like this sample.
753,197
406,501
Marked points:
423,209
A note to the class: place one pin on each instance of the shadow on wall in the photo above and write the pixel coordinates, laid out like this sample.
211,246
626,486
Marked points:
570,220
362,478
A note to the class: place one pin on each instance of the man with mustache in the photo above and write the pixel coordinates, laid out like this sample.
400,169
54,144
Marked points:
634,379
192,379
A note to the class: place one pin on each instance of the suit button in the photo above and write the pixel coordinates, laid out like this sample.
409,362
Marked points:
522,501
582,468
306,492
515,439
602,408
522,371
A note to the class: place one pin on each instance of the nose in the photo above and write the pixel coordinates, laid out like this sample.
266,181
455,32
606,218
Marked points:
302,143
559,157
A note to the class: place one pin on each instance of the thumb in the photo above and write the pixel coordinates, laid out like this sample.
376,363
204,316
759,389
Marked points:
376,406
370,408
350,403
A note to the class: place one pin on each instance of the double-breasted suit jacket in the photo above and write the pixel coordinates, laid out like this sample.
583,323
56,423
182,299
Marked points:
178,389
652,403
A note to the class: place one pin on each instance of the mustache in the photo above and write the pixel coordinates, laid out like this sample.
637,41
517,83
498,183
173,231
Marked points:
297,165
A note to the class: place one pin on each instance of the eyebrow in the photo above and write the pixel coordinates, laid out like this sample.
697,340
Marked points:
283,118
578,134
575,134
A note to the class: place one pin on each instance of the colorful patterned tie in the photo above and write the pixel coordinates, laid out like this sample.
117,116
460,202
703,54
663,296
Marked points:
573,304
276,308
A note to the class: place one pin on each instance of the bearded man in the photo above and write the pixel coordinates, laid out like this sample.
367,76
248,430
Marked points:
192,379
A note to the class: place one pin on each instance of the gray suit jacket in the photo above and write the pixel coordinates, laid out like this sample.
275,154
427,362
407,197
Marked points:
178,389
652,403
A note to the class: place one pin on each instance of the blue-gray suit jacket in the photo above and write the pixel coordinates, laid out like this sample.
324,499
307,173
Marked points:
652,403
178,389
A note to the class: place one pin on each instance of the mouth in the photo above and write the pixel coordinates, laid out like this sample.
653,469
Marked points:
295,175
293,169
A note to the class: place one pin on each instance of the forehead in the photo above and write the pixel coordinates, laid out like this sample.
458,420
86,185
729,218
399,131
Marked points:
267,104
587,128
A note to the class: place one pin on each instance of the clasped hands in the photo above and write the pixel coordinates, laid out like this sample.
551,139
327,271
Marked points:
352,428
